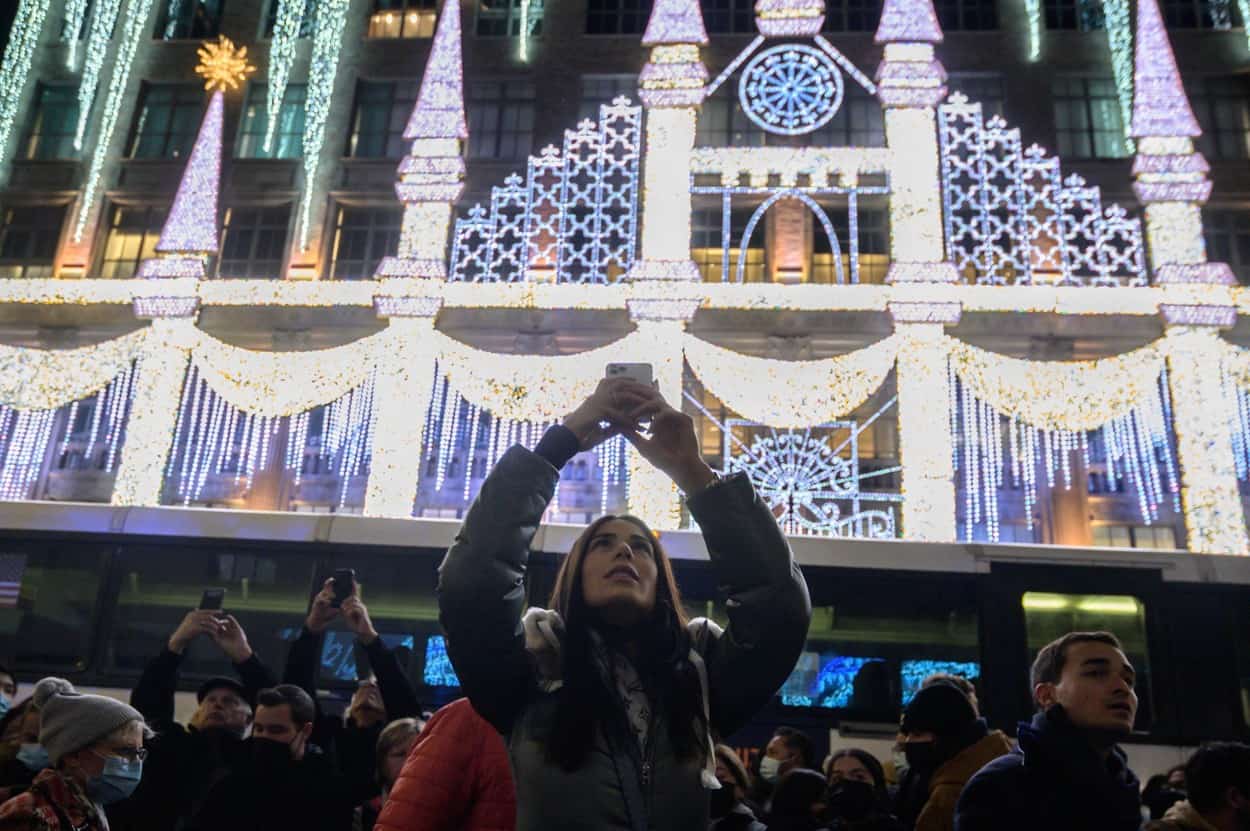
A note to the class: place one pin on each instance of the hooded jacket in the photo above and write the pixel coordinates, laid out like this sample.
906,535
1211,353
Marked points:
456,778
1055,779
620,787
950,777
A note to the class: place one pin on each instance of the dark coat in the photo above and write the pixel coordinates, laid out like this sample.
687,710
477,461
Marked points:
481,600
308,795
1055,780
183,763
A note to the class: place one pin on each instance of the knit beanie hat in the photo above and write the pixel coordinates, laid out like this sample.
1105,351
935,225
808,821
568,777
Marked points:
942,709
70,720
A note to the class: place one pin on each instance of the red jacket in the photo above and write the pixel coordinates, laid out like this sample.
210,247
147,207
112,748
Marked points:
457,778
53,803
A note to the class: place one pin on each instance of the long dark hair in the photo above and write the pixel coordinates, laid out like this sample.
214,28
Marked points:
873,766
663,664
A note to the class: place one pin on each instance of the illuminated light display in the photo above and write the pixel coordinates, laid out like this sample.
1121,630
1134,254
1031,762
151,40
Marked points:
282,42
15,66
926,451
75,19
825,680
1033,8
323,69
99,33
192,224
138,19
223,66
42,379
675,22
791,89
908,21
1025,222
1116,17
789,18
915,671
1160,107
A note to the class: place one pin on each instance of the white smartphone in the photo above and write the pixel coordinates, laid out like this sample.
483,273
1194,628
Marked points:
635,372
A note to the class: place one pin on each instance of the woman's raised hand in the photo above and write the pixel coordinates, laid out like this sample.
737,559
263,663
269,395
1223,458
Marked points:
670,443
608,411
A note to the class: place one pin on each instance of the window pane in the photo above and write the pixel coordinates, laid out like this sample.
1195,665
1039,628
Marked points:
53,620
288,131
193,19
1050,616
53,122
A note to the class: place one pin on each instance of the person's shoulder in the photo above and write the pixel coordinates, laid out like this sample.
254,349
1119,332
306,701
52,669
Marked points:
1004,774
27,812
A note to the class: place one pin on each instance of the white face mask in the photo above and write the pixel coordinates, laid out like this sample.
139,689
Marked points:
900,763
770,769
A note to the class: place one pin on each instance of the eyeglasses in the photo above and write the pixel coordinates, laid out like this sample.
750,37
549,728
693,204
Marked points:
130,754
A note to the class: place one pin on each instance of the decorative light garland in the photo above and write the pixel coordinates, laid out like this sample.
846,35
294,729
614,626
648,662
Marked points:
1033,9
322,71
1120,40
99,34
75,17
15,66
137,21
286,29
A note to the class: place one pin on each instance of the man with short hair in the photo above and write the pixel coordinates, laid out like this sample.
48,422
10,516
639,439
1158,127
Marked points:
287,783
959,682
185,761
1067,772
788,749
1217,780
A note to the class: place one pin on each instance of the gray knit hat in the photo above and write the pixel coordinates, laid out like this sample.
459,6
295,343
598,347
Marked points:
70,720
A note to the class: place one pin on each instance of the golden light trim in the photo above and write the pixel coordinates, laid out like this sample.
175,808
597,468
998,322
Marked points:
223,65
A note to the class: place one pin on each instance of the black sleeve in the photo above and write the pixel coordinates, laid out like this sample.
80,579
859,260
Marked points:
301,662
255,676
397,693
481,585
153,696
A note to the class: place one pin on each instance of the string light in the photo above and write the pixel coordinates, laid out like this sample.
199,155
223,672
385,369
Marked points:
1160,107
15,66
1118,23
75,18
99,34
136,23
288,21
1033,9
322,71
223,65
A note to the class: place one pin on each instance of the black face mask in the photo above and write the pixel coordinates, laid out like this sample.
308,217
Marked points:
723,802
851,799
270,756
921,756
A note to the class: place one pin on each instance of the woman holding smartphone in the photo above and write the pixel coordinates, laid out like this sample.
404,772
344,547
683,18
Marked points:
609,700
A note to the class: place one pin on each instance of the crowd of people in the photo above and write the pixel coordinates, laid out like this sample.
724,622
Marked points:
608,710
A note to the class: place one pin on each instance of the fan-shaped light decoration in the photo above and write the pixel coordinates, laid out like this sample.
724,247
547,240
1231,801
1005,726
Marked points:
223,66
540,388
791,393
43,379
1059,395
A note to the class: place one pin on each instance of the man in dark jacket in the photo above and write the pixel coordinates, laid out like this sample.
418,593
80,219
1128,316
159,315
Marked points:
286,783
185,761
351,742
1068,772
1217,779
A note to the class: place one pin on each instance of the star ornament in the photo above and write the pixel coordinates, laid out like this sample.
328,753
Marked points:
223,65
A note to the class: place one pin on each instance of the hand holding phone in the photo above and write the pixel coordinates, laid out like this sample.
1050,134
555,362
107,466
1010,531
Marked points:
212,599
640,373
344,585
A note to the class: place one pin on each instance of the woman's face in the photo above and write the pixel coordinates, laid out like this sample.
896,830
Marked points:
726,778
394,761
619,573
848,767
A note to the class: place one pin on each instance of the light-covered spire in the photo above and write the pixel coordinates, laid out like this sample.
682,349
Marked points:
908,21
439,112
675,22
192,224
1160,108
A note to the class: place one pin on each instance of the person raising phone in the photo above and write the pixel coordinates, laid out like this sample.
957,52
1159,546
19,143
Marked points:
609,700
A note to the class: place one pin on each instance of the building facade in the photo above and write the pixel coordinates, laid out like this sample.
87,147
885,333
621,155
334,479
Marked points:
963,272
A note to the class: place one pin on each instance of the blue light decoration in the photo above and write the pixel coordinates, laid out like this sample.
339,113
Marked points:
574,216
338,653
916,670
438,670
791,89
823,680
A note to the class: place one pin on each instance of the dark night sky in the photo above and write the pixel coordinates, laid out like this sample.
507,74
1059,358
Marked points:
8,9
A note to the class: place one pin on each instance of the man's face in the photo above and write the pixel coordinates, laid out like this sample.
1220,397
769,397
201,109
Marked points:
782,752
223,708
276,725
619,573
1096,688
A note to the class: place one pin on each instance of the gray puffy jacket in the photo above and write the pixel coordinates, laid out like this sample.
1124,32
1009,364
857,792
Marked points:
481,601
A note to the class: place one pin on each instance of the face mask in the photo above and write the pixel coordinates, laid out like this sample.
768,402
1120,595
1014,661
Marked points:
900,764
5,704
117,781
34,757
770,769
921,755
722,802
851,799
270,756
